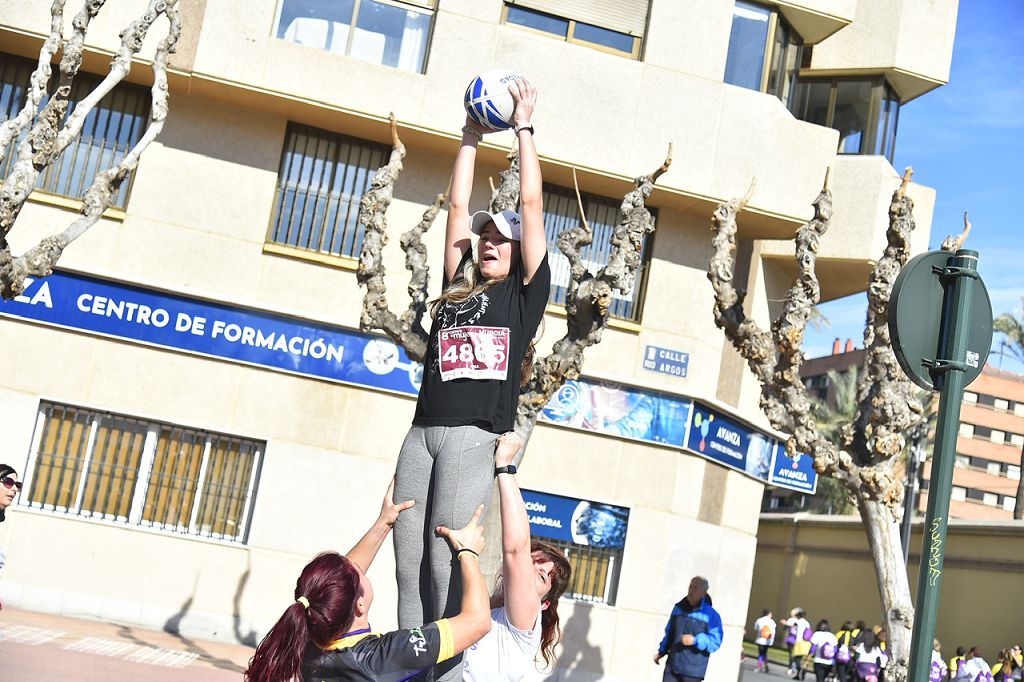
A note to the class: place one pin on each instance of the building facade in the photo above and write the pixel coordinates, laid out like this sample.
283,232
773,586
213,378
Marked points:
189,400
988,449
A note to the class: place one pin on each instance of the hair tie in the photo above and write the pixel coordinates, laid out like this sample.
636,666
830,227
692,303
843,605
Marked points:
304,602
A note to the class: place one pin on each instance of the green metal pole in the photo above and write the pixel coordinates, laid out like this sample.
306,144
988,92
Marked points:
959,278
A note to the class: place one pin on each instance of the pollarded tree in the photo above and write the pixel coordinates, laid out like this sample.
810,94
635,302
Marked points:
587,302
40,132
865,456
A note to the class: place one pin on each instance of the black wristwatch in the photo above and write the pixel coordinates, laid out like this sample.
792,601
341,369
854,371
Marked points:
507,469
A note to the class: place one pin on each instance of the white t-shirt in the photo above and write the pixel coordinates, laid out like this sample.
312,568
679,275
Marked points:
505,654
798,625
818,641
974,669
759,626
876,656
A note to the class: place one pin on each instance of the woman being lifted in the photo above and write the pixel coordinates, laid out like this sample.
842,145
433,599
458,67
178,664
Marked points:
483,326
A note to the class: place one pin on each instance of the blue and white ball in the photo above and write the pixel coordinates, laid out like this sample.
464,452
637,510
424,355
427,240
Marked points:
488,101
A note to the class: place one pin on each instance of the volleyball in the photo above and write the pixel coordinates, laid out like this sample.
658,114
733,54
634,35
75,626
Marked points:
488,101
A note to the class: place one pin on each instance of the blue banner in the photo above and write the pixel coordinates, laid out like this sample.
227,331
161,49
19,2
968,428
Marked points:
216,330
581,522
795,473
253,337
718,437
622,411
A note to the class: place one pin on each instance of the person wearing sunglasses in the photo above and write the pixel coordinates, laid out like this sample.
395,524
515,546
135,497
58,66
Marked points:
9,487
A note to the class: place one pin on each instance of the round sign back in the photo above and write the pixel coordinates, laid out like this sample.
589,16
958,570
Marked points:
915,320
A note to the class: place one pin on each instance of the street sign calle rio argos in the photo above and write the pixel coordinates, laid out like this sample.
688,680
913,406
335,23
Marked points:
675,363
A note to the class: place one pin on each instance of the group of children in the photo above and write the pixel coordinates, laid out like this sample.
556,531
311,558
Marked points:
478,357
857,654
852,654
969,664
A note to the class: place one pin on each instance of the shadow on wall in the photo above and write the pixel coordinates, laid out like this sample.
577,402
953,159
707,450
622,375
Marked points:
579,660
173,626
250,638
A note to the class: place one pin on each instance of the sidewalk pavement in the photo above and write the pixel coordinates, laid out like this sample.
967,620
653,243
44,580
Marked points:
38,646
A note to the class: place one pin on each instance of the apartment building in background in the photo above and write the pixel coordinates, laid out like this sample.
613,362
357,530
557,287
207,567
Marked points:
988,449
190,401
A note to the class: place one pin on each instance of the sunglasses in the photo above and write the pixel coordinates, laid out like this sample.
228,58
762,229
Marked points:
9,482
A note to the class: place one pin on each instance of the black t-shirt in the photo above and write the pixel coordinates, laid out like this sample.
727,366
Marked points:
391,657
474,357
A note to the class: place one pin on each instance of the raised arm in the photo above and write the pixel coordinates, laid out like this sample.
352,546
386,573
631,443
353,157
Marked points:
534,241
458,237
474,618
366,549
519,577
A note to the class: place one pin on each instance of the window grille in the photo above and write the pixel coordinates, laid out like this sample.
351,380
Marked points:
561,212
595,571
322,177
127,470
109,131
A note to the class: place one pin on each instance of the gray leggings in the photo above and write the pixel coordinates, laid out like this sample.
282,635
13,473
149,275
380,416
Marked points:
449,471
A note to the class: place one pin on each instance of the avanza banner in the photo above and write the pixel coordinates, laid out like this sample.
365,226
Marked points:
216,330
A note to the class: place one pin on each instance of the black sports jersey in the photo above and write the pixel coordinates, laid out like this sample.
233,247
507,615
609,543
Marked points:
390,657
473,364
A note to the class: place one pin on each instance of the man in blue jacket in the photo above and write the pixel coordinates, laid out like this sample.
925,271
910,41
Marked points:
693,633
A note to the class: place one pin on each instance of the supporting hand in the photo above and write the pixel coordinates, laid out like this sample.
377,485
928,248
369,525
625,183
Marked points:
470,537
389,511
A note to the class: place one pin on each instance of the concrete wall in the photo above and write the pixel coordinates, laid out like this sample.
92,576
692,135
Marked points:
822,565
909,40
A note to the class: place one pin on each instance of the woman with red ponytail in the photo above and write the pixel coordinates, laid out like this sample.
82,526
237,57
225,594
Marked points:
325,636
524,606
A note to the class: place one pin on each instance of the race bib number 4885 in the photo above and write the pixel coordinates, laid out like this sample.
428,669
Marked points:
474,352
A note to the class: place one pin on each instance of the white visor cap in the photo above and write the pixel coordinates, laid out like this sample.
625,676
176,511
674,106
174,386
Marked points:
507,222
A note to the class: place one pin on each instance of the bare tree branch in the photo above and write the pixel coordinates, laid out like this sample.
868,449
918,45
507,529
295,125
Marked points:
416,263
406,331
888,403
775,358
758,347
572,239
954,243
588,302
506,196
44,143
38,84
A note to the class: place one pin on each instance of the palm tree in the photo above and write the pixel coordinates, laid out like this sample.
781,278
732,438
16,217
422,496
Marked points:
831,415
1013,328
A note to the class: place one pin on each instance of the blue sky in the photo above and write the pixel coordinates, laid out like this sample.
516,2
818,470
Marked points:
966,140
